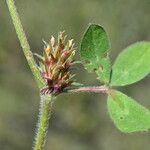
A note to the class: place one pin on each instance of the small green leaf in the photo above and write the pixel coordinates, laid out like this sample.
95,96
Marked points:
94,51
127,114
132,64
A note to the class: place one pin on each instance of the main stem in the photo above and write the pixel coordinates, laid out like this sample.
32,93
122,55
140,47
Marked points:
46,100
24,43
42,126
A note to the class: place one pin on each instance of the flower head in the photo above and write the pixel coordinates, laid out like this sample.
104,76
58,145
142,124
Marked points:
55,64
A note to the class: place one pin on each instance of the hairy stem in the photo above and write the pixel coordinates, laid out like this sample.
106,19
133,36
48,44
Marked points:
24,43
44,116
94,89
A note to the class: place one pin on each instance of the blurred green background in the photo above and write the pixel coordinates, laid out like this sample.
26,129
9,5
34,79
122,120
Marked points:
79,121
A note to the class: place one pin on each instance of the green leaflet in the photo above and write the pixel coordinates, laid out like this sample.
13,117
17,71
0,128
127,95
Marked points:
127,114
94,52
132,64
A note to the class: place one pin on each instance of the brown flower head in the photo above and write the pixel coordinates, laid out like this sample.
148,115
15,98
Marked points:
55,64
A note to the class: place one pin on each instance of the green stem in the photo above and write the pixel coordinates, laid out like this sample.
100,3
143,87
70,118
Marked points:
24,43
44,116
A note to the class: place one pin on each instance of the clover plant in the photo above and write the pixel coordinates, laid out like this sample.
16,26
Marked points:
53,76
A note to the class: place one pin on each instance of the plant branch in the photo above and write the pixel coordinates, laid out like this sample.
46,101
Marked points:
44,116
24,43
94,89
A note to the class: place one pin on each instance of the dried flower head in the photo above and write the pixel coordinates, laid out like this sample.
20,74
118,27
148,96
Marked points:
55,64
